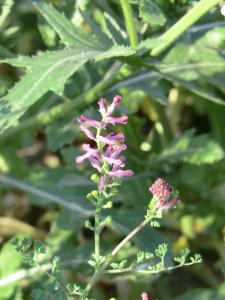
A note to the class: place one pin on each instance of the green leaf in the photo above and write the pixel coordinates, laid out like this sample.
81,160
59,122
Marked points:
101,36
194,150
202,150
10,261
45,195
47,72
70,34
151,13
61,132
114,32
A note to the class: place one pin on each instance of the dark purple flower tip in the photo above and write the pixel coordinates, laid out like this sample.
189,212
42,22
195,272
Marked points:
117,99
144,296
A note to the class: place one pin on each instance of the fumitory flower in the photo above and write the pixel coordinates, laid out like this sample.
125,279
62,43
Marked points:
144,296
164,196
105,156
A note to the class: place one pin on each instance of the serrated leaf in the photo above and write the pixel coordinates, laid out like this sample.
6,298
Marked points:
70,34
49,72
116,51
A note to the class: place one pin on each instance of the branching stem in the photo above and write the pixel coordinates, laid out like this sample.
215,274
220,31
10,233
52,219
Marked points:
114,252
183,24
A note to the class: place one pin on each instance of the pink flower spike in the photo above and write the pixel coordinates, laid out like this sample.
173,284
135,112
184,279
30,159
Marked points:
87,132
121,173
90,122
120,120
102,183
102,106
116,100
144,296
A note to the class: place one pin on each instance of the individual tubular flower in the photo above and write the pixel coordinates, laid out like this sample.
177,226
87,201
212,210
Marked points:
163,194
105,157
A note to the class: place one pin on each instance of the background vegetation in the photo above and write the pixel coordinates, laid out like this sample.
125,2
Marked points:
172,84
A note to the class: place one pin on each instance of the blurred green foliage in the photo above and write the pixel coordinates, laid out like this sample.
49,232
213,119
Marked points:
68,54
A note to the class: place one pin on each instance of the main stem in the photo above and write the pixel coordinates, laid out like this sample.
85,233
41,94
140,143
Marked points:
183,24
97,229
130,24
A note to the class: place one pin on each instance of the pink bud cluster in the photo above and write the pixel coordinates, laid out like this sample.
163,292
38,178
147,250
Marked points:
105,157
162,191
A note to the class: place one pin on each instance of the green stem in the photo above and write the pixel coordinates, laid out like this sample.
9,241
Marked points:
183,24
114,252
163,119
147,272
125,241
97,229
130,24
